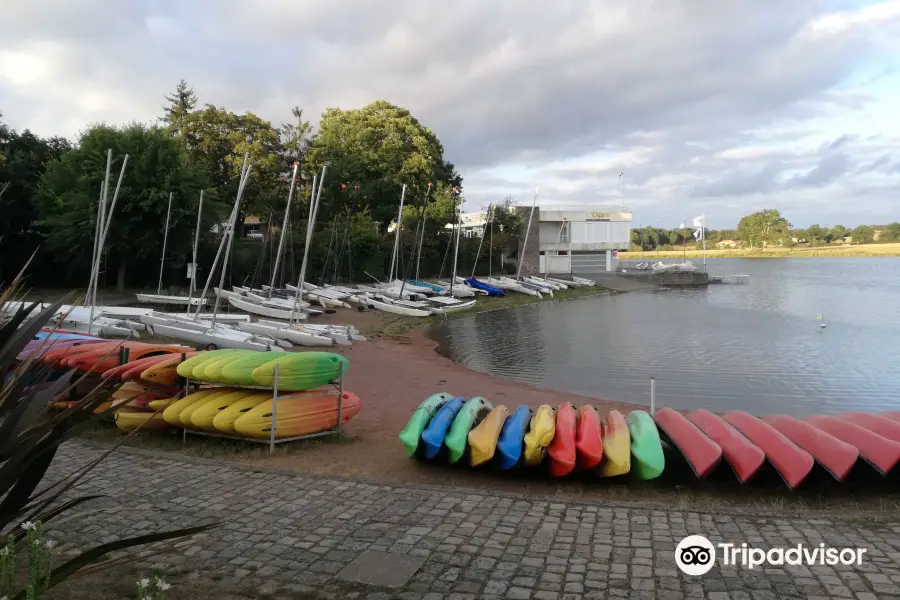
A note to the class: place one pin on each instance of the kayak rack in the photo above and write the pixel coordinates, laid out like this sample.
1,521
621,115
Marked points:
337,430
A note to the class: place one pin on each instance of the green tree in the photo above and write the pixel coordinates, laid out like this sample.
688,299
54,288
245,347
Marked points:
69,190
180,105
838,233
22,160
295,138
890,233
217,139
863,234
815,235
765,227
378,147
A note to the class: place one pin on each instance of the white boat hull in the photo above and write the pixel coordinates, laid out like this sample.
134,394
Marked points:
219,338
286,332
264,311
169,300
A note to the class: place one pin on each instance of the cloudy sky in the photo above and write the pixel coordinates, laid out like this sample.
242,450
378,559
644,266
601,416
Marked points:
716,106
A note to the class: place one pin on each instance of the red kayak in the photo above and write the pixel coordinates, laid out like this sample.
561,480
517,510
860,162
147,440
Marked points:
588,444
698,450
561,451
893,415
118,371
792,462
837,456
886,428
744,457
883,454
102,359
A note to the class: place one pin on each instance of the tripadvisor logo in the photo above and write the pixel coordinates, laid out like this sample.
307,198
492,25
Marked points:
696,555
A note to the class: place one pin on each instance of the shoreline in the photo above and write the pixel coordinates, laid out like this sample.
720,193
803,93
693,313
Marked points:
840,251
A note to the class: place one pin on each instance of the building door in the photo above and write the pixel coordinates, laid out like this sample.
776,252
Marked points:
589,262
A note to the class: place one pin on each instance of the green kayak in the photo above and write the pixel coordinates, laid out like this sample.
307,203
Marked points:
299,371
240,371
419,421
458,437
211,370
647,460
186,368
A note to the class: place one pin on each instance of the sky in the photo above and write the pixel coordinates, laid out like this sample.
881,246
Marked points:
671,108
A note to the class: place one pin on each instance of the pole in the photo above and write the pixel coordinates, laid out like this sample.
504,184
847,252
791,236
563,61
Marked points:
103,228
284,225
483,232
397,234
229,234
652,395
212,271
422,237
87,295
107,218
527,231
193,287
703,235
313,209
162,261
456,244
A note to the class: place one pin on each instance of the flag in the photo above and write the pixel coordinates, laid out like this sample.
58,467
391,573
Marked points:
819,317
681,226
698,223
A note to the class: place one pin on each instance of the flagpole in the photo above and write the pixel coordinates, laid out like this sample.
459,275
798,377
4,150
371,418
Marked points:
703,235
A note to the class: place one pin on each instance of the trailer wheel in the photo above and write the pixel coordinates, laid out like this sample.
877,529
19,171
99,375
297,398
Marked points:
212,347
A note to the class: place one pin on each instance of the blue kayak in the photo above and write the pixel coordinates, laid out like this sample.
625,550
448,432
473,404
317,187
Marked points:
509,446
435,288
480,285
433,436
42,335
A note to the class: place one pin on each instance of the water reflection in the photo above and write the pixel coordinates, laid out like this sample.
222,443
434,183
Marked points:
756,347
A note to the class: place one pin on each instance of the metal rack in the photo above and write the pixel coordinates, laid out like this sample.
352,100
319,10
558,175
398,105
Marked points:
272,441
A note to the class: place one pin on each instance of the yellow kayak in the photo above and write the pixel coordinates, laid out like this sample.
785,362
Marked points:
205,413
187,414
128,420
161,404
483,439
172,413
616,446
223,422
540,434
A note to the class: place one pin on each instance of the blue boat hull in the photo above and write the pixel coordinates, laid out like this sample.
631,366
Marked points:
433,436
480,285
425,284
509,445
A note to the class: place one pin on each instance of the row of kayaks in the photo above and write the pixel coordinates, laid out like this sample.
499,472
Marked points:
565,439
569,440
245,413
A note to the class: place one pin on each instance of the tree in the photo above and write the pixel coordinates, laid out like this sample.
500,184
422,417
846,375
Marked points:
763,228
180,105
295,138
890,233
815,235
838,233
378,147
22,160
863,234
69,190
218,139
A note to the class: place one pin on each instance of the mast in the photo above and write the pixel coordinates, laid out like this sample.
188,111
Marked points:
480,243
229,234
193,287
104,229
284,225
313,209
397,235
456,243
422,237
162,260
527,230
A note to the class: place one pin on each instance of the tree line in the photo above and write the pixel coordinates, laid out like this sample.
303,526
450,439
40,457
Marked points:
765,228
50,189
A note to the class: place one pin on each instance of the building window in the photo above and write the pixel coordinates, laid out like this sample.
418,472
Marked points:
564,233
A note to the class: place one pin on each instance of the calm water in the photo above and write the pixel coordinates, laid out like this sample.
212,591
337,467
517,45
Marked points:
757,347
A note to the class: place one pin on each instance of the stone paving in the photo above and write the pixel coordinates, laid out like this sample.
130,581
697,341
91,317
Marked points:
284,534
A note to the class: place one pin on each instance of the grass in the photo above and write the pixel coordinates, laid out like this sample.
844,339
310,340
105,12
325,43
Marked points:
842,250
394,325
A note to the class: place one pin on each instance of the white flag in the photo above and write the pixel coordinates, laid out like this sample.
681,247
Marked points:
681,226
698,221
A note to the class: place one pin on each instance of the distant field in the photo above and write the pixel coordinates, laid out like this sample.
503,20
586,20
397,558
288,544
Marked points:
799,251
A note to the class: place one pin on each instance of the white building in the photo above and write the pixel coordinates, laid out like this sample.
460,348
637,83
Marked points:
577,239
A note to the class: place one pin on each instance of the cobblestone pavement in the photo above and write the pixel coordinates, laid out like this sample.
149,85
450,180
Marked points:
286,534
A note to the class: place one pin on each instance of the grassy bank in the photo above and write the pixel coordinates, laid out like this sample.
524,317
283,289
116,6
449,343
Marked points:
390,325
847,251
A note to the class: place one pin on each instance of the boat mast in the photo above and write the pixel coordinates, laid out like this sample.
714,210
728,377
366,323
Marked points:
313,209
397,234
193,287
456,232
527,230
162,260
229,234
422,237
483,231
284,224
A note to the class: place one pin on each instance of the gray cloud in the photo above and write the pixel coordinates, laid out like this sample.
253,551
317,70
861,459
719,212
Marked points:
668,88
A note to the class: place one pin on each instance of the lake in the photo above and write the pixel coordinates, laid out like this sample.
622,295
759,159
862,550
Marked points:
756,347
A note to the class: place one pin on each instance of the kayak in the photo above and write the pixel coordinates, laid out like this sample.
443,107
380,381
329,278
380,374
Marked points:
886,428
616,446
588,443
835,456
879,452
793,463
561,450
700,452
509,446
646,449
457,438
540,433
484,437
743,456
433,435
417,423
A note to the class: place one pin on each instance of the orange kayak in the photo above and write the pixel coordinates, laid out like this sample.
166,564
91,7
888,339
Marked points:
117,372
55,356
165,371
588,443
139,366
101,360
561,451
